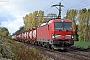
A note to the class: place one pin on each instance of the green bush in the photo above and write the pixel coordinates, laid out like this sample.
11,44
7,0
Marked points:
5,51
81,38
75,38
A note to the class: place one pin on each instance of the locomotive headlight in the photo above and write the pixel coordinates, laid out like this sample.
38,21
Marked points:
53,35
56,36
62,20
72,36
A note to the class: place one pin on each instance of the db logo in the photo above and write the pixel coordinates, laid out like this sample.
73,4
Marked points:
62,36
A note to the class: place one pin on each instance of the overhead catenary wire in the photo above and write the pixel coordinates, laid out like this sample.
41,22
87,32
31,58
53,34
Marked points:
83,3
80,3
49,7
48,10
77,4
61,1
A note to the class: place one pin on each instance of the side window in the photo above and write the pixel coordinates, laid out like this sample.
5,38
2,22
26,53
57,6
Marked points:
48,27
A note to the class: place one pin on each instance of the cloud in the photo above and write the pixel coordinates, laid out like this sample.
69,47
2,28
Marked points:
13,25
11,16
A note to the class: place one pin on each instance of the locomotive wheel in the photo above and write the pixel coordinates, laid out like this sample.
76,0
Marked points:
38,43
35,43
47,45
44,45
23,41
28,42
41,44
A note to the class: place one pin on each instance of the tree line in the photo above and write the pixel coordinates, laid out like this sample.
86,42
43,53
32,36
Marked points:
81,19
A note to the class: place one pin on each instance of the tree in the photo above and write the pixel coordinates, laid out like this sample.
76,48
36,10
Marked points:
4,31
26,21
83,24
72,14
83,18
33,19
40,17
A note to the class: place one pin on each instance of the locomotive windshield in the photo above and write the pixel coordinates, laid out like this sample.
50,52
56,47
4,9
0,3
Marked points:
62,25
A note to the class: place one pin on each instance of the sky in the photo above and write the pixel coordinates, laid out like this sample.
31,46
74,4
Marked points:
13,11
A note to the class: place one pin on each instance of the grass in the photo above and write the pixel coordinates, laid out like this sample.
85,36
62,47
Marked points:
14,50
82,44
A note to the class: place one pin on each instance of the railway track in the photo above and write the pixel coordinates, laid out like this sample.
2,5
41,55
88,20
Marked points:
79,49
80,55
63,55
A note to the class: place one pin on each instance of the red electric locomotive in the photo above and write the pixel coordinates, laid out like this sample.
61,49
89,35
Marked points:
56,34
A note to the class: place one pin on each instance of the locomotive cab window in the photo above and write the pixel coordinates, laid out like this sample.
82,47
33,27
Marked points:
62,25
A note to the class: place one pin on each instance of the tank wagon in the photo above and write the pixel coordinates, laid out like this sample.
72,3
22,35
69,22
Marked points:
54,34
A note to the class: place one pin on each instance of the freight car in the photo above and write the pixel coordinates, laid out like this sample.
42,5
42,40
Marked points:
54,34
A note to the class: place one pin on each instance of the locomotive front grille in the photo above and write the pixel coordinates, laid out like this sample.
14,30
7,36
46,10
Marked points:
58,36
68,37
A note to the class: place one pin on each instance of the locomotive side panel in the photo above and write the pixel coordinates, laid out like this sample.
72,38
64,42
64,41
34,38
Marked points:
43,33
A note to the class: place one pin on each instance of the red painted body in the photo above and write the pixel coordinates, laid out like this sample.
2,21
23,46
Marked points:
43,33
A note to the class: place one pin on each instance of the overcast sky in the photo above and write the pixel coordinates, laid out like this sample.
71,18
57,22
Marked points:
13,11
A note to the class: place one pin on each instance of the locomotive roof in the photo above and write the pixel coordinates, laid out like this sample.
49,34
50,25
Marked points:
55,20
58,20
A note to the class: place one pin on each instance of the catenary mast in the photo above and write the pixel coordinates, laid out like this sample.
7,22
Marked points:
59,15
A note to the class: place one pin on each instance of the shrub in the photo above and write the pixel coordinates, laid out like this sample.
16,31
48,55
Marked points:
24,52
5,51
